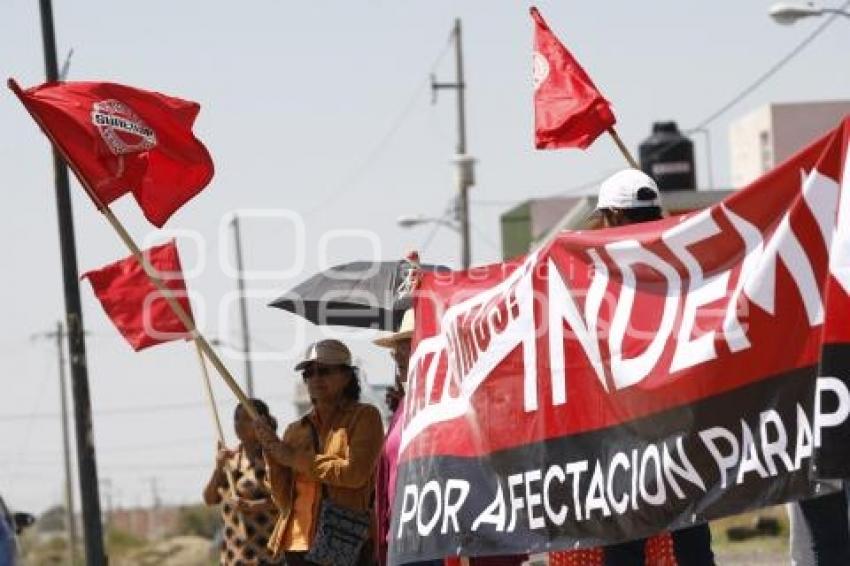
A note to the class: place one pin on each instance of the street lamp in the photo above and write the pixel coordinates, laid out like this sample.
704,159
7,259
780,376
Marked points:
452,219
408,221
786,13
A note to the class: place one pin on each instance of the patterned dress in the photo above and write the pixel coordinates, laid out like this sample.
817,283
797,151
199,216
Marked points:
247,534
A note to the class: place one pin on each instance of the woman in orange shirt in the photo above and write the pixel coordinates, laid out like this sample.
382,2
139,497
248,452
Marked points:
329,453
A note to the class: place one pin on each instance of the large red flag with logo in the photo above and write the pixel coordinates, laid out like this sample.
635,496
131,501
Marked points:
569,111
120,139
135,306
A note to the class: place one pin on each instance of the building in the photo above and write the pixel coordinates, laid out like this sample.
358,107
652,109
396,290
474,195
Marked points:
767,136
146,523
536,220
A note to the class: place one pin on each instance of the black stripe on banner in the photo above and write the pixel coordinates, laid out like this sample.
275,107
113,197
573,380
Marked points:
736,451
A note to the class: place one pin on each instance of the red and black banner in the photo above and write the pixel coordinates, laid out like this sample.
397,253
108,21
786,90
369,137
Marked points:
617,383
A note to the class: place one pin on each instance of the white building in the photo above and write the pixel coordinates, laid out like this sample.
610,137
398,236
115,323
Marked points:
769,135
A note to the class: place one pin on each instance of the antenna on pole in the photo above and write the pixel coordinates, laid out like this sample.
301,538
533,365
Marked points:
66,66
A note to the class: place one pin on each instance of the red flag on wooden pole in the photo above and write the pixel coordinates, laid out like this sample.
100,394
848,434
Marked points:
135,306
120,139
569,111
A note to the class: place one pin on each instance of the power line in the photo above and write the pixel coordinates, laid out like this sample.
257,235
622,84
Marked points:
742,94
351,180
139,409
484,236
772,70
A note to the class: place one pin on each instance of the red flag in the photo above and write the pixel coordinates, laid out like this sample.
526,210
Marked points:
120,139
569,111
136,307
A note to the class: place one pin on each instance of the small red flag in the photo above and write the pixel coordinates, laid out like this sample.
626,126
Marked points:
135,306
569,111
120,139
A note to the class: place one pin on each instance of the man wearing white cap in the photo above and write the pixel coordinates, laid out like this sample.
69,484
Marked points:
630,197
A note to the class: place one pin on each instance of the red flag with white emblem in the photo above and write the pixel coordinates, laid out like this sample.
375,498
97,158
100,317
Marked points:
569,111
120,139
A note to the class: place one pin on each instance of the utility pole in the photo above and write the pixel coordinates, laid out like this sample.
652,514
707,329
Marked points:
464,176
153,518
70,522
243,307
66,449
86,463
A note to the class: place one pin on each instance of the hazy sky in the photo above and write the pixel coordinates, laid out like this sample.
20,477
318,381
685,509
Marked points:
322,109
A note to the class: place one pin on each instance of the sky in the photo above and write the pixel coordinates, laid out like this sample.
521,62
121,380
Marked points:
320,120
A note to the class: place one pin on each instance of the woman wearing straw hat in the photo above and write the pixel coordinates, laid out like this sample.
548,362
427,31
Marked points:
399,345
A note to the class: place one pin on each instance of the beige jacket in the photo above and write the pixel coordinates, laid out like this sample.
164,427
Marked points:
346,465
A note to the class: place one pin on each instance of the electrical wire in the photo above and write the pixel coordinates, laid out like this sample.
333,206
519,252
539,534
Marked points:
351,180
772,70
741,95
132,410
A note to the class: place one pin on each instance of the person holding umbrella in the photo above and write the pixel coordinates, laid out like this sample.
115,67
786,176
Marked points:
322,471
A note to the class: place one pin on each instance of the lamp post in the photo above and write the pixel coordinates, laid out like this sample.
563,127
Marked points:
419,220
786,13
464,164
452,220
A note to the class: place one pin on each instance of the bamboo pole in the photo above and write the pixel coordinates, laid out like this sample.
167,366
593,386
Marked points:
623,149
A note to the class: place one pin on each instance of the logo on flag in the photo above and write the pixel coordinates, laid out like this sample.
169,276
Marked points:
540,69
121,129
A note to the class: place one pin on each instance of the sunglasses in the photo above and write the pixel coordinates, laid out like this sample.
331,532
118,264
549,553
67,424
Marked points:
319,371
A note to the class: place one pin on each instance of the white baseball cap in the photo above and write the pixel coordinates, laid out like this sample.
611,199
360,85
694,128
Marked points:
629,188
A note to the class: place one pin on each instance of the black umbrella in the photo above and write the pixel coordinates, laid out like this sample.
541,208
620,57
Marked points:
364,294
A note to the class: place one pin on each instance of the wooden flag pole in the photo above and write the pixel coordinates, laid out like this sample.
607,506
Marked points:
187,321
210,396
231,483
214,410
623,149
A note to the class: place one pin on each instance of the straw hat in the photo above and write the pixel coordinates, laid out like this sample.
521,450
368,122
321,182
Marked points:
404,332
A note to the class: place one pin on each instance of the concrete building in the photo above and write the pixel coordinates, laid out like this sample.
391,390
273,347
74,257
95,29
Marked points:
536,220
767,136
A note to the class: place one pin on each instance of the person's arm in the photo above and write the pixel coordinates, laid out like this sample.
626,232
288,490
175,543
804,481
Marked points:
251,506
218,479
279,475
276,451
365,440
